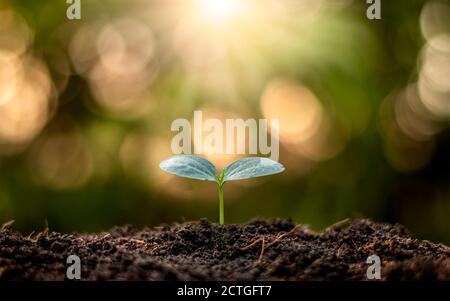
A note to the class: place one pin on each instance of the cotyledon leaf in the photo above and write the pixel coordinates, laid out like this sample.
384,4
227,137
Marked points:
188,166
251,168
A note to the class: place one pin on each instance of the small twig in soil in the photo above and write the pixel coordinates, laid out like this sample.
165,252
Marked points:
339,224
35,236
244,248
283,235
30,236
280,236
263,247
7,224
263,242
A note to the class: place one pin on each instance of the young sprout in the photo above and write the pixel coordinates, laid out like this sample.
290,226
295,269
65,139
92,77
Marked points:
194,167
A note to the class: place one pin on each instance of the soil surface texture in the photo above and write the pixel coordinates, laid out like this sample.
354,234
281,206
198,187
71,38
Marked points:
258,250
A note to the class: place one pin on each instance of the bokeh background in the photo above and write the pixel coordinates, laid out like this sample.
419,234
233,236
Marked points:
86,107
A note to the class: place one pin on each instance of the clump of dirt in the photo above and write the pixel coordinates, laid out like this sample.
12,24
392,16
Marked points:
258,250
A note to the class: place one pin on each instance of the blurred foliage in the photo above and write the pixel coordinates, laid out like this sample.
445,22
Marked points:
86,107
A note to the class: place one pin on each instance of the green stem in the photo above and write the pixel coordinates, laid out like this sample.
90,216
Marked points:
221,213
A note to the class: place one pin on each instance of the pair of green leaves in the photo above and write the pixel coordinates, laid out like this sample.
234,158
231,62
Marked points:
194,167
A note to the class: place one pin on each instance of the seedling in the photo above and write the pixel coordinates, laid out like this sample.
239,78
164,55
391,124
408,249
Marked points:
194,167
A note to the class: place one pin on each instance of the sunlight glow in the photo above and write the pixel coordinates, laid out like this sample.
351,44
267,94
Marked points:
221,11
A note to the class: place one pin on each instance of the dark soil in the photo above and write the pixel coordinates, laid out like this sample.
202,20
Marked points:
259,250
